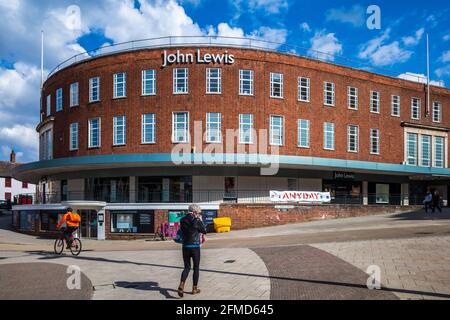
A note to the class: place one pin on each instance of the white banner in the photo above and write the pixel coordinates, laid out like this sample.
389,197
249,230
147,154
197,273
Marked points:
300,196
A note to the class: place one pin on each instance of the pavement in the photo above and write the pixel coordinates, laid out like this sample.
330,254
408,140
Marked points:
325,260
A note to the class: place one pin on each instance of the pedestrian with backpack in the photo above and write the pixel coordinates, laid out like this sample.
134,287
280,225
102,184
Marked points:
191,231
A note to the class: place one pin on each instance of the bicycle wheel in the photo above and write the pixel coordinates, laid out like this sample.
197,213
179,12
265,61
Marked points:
75,248
59,246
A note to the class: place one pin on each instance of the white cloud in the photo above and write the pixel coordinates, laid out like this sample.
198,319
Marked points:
305,27
414,40
354,15
269,6
446,37
22,136
445,56
381,54
444,71
420,78
324,46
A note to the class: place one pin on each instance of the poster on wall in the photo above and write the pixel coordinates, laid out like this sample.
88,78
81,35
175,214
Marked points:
300,196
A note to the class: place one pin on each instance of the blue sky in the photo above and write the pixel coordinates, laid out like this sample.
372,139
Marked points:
337,28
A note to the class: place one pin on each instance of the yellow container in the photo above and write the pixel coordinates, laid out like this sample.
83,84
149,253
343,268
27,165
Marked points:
222,224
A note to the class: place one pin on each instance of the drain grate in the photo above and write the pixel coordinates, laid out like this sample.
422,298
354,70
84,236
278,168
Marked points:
103,286
230,261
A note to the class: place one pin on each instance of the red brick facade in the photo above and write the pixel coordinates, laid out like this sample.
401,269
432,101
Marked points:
230,104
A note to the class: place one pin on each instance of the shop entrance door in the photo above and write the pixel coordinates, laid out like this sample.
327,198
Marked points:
88,224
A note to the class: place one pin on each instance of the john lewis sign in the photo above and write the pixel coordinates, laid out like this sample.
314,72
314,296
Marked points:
197,57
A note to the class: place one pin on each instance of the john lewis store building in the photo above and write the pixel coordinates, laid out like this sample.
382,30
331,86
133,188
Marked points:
111,124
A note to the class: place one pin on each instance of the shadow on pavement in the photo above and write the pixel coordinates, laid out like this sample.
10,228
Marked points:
421,215
147,286
310,281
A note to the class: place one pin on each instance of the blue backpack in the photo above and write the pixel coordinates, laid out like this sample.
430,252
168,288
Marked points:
179,237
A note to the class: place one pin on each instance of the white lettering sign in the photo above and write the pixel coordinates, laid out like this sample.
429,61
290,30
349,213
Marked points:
187,58
300,196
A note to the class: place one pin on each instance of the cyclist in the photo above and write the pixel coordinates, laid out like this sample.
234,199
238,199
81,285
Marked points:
72,220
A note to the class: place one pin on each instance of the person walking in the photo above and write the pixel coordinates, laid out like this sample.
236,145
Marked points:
427,202
436,201
192,228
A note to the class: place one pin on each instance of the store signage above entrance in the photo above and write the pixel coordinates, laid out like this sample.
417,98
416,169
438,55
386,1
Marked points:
198,57
300,196
344,175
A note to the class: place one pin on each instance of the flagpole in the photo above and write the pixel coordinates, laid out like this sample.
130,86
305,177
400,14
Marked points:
428,76
42,59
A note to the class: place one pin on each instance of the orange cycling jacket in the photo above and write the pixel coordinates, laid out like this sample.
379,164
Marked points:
66,218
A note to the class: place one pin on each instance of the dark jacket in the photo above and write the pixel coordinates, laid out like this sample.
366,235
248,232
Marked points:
192,228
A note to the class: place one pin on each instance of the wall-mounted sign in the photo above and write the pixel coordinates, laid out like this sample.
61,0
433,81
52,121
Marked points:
197,57
300,196
344,175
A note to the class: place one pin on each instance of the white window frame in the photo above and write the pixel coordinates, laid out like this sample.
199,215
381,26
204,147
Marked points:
148,123
217,77
248,82
242,131
185,129
209,129
73,136
49,105
375,98
326,131
395,105
437,112
414,107
148,77
74,94
349,136
118,84
435,149
59,99
115,130
90,146
92,87
430,143
327,91
375,141
304,130
304,87
183,80
272,126
352,97
408,155
274,82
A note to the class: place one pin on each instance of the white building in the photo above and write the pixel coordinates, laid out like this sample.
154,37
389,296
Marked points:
9,187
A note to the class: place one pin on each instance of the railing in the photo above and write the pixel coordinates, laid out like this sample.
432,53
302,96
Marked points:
210,196
232,42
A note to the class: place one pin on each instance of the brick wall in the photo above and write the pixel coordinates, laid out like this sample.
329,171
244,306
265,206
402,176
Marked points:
255,216
230,104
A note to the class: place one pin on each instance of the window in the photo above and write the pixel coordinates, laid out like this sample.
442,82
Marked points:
352,138
303,133
328,136
415,108
24,185
74,91
8,182
395,106
180,80
328,88
276,130
120,85
375,102
276,85
59,97
352,98
304,89
246,82
148,82
94,89
132,221
8,196
213,127
180,127
49,104
46,145
73,136
214,80
94,133
119,130
246,128
439,152
374,141
411,152
149,128
426,151
436,112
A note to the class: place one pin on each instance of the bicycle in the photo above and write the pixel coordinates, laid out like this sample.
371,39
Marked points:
75,247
